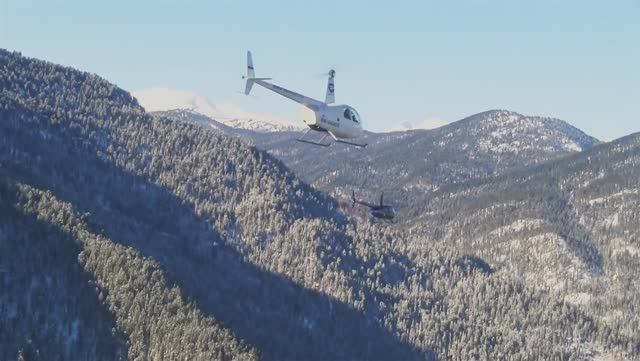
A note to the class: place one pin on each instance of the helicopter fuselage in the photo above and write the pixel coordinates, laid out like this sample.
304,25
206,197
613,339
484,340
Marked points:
341,120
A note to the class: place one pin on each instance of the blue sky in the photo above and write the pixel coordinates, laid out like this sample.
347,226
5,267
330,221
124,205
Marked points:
397,61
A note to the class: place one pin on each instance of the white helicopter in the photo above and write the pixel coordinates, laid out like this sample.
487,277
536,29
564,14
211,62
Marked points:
340,122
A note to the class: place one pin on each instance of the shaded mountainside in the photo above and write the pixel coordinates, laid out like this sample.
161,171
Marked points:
198,246
571,226
76,295
407,165
49,306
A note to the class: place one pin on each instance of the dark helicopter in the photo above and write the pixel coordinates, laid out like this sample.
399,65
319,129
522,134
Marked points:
380,211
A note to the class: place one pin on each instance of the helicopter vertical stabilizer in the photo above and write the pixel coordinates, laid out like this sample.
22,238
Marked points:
251,74
331,89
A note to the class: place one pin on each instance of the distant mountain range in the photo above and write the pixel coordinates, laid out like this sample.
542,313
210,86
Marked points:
409,164
126,235
164,99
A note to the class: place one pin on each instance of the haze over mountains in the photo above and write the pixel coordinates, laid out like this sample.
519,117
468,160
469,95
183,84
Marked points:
127,235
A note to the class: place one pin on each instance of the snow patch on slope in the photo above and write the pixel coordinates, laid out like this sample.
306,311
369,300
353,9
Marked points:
518,226
191,116
510,132
610,197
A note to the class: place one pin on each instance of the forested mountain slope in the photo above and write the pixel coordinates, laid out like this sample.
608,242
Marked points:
202,247
571,226
406,165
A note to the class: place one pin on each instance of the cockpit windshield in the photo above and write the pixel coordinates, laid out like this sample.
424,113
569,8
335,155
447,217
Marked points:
351,113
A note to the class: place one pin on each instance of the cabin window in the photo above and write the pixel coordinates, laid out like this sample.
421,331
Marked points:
354,116
351,114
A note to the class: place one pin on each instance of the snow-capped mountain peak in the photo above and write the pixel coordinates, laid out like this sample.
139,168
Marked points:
227,113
